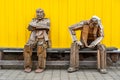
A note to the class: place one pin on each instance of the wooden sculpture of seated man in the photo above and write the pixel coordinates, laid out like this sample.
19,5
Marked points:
91,36
39,39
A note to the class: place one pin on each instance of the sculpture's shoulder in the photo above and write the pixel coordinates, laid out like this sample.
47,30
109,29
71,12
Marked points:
85,22
47,20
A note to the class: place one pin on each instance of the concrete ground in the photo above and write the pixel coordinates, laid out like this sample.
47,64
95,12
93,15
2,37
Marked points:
59,74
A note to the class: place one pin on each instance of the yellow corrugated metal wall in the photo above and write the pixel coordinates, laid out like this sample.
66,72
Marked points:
16,14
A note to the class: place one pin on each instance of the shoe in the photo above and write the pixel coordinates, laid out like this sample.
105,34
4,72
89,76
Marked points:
28,70
39,70
72,69
103,71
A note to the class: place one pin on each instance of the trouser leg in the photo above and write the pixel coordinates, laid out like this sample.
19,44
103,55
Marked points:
27,56
102,58
98,59
41,53
74,58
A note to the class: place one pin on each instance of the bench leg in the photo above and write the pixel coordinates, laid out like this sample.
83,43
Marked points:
114,57
1,56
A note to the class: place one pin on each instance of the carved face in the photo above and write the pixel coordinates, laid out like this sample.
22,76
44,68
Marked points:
93,22
40,14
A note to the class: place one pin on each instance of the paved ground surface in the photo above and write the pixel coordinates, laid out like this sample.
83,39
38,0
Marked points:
59,74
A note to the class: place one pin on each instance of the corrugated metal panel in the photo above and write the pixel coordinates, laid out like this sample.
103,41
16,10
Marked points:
16,14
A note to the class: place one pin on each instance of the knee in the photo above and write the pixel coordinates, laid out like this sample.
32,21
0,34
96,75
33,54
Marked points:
74,45
27,50
41,51
101,47
27,47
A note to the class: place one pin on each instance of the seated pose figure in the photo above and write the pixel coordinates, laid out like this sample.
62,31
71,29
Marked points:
91,36
39,39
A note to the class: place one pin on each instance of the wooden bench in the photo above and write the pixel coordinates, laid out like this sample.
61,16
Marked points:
115,52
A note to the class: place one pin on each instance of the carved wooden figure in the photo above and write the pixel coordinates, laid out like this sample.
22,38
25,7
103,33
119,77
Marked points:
91,36
39,39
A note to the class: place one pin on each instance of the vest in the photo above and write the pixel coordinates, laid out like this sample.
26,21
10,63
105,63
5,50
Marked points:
85,33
